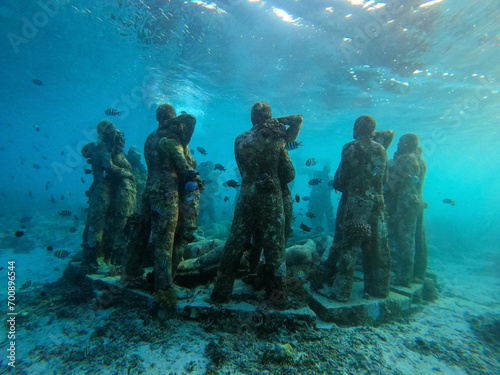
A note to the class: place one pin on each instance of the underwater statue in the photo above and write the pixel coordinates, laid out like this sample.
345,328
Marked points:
190,187
123,189
170,171
320,203
98,154
421,250
405,206
140,173
265,167
361,222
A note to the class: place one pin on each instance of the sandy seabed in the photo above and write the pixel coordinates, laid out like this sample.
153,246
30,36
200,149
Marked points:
61,330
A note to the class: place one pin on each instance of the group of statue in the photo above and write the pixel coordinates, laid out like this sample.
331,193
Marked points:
380,213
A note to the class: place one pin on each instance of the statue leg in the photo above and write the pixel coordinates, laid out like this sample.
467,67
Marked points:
241,230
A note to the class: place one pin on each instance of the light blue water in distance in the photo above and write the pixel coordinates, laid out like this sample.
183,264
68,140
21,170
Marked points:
432,70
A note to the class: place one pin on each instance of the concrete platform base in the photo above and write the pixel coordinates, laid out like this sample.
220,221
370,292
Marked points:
248,311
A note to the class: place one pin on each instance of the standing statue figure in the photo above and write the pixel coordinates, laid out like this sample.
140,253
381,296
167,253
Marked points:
361,215
168,172
123,189
405,205
421,251
265,167
140,173
190,185
98,154
320,202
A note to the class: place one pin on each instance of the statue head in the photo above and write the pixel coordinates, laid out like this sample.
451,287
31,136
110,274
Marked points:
261,112
364,127
106,130
164,112
408,143
119,139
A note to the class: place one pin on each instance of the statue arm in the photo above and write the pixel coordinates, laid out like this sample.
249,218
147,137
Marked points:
121,168
175,152
189,122
384,137
295,124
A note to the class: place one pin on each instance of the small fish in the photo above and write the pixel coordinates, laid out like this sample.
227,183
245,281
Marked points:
183,113
305,228
311,162
87,171
310,215
414,179
231,183
219,167
61,254
314,181
330,184
65,213
18,233
82,180
113,17
297,198
293,145
72,230
62,197
299,275
36,166
163,264
449,201
62,153
191,186
37,128
226,198
52,200
112,112
159,210
190,198
305,198
201,150
37,82
23,226
375,171
26,285
49,248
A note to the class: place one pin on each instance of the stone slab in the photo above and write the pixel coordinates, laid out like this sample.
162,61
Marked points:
362,309
247,310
